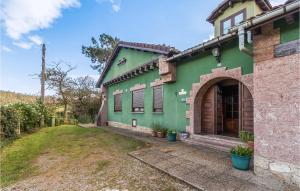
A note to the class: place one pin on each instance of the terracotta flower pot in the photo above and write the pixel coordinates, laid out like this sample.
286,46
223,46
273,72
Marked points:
154,134
161,134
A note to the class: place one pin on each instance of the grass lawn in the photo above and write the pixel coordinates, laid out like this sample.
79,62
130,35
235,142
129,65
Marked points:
75,158
16,158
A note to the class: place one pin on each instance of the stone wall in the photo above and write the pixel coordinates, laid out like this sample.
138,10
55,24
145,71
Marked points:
126,126
276,109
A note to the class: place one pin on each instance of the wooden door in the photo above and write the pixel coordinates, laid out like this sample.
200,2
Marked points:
246,109
208,111
231,111
219,111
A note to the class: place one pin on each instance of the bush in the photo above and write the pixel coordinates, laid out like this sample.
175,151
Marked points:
8,121
29,115
85,118
242,151
246,136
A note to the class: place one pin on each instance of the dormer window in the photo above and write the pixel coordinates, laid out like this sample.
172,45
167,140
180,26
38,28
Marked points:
232,20
122,61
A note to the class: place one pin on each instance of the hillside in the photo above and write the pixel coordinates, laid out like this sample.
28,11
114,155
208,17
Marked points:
7,97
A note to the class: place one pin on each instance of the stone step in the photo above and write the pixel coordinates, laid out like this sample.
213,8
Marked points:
214,142
203,144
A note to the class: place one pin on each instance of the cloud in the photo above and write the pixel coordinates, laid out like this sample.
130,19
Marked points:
116,8
277,2
115,4
24,45
4,48
36,39
19,17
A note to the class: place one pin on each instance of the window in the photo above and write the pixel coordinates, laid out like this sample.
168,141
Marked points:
118,102
233,20
226,26
138,100
238,19
158,99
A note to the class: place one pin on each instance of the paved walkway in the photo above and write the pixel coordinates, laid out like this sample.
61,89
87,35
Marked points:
203,168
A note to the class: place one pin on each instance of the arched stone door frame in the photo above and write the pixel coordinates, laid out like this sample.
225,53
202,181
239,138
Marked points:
206,81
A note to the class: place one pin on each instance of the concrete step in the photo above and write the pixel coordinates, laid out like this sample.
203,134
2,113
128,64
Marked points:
214,142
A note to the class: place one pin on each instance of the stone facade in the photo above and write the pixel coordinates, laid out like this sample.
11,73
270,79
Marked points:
102,114
276,109
167,70
126,126
206,81
138,87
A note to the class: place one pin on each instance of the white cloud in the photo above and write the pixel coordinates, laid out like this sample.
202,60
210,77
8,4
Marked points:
116,7
115,4
36,39
19,17
277,2
4,48
24,45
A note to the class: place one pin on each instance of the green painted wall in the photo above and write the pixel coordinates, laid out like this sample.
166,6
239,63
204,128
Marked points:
134,59
288,32
175,107
251,10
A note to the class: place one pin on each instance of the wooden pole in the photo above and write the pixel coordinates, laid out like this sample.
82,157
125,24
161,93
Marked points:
43,78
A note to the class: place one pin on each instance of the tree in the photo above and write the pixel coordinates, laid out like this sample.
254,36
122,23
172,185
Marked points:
86,101
100,51
57,79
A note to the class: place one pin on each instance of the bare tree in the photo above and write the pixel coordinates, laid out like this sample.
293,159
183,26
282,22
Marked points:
58,80
86,101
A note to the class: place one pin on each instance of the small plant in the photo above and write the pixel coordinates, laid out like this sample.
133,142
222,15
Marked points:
171,131
246,136
242,151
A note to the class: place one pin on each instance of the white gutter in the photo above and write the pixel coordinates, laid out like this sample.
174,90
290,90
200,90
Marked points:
270,15
241,28
203,45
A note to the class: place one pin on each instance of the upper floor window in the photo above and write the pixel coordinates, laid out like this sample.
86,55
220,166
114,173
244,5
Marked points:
232,20
138,100
158,98
118,102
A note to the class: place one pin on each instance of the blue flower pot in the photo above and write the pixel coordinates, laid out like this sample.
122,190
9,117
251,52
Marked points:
240,162
172,137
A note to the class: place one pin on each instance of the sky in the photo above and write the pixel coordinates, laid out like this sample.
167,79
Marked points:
65,25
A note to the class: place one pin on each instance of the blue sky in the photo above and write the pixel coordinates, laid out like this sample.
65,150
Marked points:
66,25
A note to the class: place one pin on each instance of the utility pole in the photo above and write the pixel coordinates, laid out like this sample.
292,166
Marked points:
43,78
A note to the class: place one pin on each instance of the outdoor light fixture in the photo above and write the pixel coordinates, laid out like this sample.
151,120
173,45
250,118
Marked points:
134,122
216,52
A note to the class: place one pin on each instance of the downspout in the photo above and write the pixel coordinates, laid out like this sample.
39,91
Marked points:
242,47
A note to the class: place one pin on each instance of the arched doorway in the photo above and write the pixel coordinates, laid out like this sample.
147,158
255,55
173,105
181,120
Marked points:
224,107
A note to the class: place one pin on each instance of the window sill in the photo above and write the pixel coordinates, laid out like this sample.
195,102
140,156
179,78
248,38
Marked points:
118,111
158,112
137,112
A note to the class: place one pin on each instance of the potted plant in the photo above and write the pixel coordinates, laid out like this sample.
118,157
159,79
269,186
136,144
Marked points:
155,128
240,157
183,135
161,132
172,135
248,138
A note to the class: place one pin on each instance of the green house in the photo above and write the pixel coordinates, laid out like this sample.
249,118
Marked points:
244,79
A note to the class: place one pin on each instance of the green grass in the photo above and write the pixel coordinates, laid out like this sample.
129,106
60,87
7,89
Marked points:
102,164
70,141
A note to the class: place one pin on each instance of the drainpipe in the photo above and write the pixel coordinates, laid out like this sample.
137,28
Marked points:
242,47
